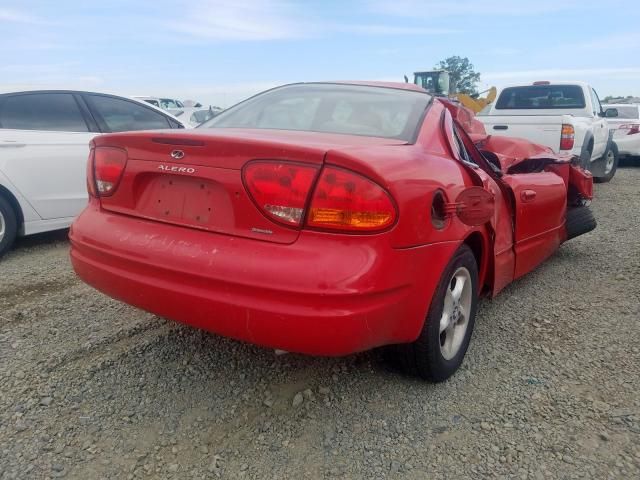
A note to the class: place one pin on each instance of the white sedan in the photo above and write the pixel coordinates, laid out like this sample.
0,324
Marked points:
626,128
44,145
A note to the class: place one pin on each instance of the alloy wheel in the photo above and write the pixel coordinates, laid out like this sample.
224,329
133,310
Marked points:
609,161
455,314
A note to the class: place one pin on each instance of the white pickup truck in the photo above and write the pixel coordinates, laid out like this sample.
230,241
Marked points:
566,116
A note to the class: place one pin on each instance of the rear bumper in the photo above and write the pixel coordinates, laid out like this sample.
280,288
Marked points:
323,295
628,144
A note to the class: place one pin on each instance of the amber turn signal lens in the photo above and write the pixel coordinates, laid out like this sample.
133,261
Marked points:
350,219
347,201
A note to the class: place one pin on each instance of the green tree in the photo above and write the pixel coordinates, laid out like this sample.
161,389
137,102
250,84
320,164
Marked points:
461,73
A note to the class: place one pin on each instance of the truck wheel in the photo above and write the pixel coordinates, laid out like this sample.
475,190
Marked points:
580,220
8,226
439,350
610,164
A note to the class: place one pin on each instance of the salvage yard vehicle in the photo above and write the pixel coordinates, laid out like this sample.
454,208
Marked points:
327,219
170,105
565,116
195,116
44,143
155,101
626,128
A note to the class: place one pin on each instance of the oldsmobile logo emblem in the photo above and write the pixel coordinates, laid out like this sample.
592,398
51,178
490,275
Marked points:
177,154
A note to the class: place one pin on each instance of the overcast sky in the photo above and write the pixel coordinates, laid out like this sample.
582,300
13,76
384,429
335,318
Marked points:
221,51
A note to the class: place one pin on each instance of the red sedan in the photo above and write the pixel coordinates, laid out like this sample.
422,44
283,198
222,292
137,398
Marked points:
327,219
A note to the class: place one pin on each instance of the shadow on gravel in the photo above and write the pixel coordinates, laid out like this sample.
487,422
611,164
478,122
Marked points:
629,162
41,239
195,359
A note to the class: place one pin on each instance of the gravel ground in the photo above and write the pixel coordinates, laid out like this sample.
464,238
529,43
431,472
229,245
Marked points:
91,388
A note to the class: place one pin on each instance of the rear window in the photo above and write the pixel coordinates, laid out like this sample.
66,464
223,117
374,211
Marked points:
625,112
330,108
533,97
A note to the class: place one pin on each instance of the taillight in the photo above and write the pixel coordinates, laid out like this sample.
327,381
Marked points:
91,183
344,200
632,127
567,137
108,166
280,189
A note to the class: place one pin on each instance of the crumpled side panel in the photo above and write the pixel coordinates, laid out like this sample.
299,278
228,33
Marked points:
582,181
465,117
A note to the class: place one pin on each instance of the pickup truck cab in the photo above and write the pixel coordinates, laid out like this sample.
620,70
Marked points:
565,116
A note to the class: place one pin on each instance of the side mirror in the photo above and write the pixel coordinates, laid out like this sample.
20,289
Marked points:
611,113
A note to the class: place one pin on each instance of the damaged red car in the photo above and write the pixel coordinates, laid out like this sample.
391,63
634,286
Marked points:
327,219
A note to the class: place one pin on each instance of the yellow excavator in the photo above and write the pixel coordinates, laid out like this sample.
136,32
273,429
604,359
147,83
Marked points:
438,82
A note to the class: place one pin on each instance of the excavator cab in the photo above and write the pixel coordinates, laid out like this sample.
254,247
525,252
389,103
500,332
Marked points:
436,82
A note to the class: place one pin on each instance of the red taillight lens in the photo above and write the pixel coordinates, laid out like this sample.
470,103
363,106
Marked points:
91,183
280,189
108,166
567,137
633,128
344,200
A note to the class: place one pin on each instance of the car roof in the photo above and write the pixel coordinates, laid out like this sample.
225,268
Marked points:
551,82
396,85
366,83
62,90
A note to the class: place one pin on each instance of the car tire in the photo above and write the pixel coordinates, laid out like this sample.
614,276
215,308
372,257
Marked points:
429,357
609,164
580,220
585,158
8,225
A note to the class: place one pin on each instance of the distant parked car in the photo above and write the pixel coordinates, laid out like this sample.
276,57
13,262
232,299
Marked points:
196,116
167,104
565,116
44,144
155,101
170,105
192,103
626,128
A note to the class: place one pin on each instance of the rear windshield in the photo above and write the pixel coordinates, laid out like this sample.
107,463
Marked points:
533,97
330,108
624,112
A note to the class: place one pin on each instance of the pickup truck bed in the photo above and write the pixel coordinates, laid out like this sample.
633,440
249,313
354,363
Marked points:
564,116
546,129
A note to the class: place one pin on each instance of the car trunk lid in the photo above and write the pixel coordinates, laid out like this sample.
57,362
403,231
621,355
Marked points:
194,179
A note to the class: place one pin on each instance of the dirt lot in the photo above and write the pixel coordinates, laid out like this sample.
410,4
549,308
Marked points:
91,388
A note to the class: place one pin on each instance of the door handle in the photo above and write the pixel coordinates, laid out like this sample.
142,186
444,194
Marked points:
528,195
6,144
501,127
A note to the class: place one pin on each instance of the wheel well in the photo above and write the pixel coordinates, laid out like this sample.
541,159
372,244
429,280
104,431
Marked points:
475,242
8,196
